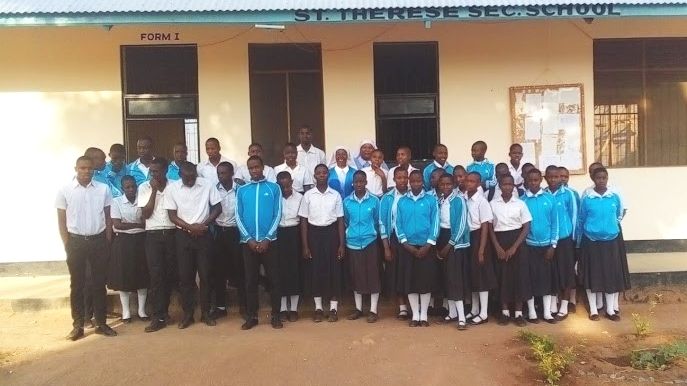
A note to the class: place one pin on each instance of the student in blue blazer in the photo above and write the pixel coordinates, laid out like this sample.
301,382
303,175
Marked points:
341,170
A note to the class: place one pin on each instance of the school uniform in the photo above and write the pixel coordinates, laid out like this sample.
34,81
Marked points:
564,257
495,191
388,213
267,171
361,216
390,176
516,173
300,175
127,268
310,158
289,252
322,209
427,172
542,236
513,275
486,169
361,164
209,171
374,182
173,172
192,204
453,219
258,212
482,276
86,247
138,170
115,179
341,180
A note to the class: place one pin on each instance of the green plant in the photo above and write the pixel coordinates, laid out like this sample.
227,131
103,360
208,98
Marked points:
659,358
642,325
551,362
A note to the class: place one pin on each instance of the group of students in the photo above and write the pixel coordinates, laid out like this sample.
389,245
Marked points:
433,239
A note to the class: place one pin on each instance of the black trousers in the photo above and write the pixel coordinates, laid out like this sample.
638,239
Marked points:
87,253
227,265
252,261
161,255
194,258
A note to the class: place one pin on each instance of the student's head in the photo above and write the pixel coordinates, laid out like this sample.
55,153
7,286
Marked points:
255,149
472,182
180,152
225,173
434,177
377,158
255,167
600,178
341,157
366,149
593,166
401,179
564,173
212,148
144,148
459,174
305,135
117,156
290,153
515,153
416,183
158,169
478,150
445,185
359,182
285,183
97,156
506,184
526,167
321,174
404,155
188,173
440,153
129,187
533,180
84,170
552,177
501,169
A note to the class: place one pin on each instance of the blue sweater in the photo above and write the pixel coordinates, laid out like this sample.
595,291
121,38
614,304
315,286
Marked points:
599,216
387,214
427,172
460,231
335,184
258,210
567,206
361,219
544,226
417,221
486,170
173,172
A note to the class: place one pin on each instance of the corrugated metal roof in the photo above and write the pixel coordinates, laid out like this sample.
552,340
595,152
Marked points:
18,7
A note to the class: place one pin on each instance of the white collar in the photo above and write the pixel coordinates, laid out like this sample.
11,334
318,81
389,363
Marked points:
530,194
437,164
414,197
76,184
594,193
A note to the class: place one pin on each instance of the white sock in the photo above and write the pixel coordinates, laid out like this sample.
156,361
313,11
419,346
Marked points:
318,303
518,314
333,305
460,308
530,308
599,300
221,308
403,307
374,300
546,300
573,296
554,304
283,304
616,299
564,307
483,304
445,303
452,312
506,313
609,303
414,301
358,301
474,310
424,305
294,302
124,298
142,296
591,298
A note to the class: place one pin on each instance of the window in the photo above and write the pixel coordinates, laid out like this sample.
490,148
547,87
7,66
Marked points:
640,102
407,97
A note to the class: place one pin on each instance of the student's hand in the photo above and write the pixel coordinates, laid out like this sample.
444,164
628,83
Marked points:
341,252
155,185
263,246
197,230
510,252
423,251
480,257
387,254
444,252
306,253
549,253
379,171
501,253
252,244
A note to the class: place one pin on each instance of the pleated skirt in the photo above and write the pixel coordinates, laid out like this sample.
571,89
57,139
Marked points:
482,276
364,268
127,267
289,256
325,271
564,261
601,266
514,284
542,272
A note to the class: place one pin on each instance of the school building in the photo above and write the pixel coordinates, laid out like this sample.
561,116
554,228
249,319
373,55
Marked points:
92,73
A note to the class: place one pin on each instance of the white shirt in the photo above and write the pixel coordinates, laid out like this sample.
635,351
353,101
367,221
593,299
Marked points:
192,203
84,206
159,219
321,209
394,208
209,171
497,192
311,158
445,212
479,211
128,212
300,175
374,182
144,169
509,215
289,210
267,171
341,174
228,201
516,173
390,176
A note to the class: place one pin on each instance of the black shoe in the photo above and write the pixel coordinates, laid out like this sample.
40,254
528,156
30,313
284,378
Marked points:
318,316
219,313
462,326
414,323
614,317
441,311
424,323
533,320
75,334
155,325
355,315
594,317
186,322
448,320
333,316
90,324
105,330
250,323
276,322
477,320
208,320
560,317
284,316
293,316
550,321
503,320
431,311
402,315
144,318
126,321
520,321
372,317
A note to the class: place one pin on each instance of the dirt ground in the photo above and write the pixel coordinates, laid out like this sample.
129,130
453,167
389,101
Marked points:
33,352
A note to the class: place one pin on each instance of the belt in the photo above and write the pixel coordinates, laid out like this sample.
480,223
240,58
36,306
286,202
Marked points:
226,229
163,232
87,238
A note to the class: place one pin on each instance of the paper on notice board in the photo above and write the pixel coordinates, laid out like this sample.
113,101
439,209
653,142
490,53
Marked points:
550,125
569,96
528,153
546,160
572,161
550,145
532,103
532,129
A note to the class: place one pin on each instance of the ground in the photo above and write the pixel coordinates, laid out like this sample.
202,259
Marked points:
33,351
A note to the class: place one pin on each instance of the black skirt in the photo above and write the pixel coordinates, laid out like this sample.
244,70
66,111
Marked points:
542,272
564,261
442,241
127,267
325,269
482,276
364,266
418,276
623,259
513,275
456,269
601,266
289,256
390,268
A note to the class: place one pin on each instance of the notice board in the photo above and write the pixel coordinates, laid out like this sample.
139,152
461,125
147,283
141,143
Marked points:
548,121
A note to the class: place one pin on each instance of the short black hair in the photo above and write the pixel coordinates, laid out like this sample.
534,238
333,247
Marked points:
479,176
187,166
459,167
145,138
551,168
128,178
255,158
515,145
438,145
180,144
563,168
599,170
500,165
84,158
160,161
284,175
117,148
446,175
225,164
212,139
398,170
594,164
415,172
534,171
290,144
506,176
481,143
255,144
359,173
92,151
321,166
404,147
437,171
527,164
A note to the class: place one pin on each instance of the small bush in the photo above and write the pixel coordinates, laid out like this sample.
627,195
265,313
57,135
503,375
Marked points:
642,325
659,358
551,362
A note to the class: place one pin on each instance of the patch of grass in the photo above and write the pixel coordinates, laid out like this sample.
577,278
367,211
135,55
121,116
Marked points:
642,325
551,361
659,358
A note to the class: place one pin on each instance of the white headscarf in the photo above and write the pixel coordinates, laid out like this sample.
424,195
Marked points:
349,160
366,142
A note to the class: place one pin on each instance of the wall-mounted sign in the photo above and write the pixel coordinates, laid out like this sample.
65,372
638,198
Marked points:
159,36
